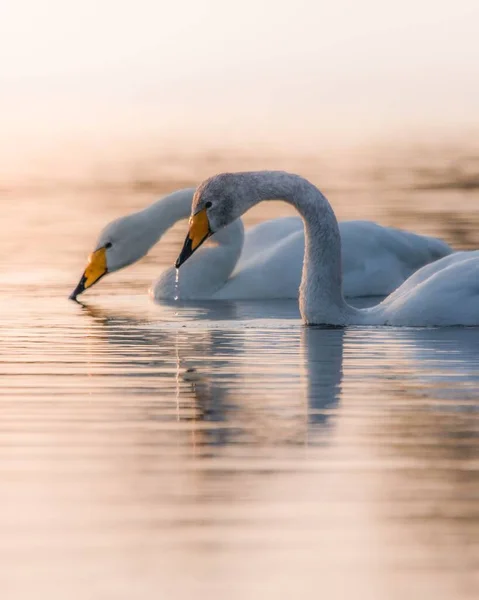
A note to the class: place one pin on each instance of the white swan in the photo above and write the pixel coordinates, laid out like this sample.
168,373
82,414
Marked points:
440,294
264,263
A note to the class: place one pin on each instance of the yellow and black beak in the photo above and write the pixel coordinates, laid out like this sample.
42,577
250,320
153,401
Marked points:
94,271
198,232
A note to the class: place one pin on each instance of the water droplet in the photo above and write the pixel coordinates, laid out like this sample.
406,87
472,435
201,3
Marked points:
177,284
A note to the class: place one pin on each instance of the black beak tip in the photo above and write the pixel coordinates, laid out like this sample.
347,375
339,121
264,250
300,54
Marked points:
78,290
185,253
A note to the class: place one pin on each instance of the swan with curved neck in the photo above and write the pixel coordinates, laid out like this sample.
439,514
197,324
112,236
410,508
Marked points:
127,239
443,293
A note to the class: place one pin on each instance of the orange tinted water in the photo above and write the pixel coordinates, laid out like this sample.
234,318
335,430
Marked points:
223,450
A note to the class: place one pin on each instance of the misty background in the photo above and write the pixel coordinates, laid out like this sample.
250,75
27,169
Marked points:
123,78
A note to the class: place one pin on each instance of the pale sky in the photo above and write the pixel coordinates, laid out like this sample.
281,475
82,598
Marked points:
259,67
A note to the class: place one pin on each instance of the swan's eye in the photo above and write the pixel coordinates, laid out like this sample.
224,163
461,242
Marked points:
208,204
108,245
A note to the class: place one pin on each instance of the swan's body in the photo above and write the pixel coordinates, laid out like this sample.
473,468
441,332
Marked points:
265,262
375,261
440,294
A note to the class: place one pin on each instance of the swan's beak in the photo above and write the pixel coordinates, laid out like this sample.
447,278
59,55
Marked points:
94,271
198,232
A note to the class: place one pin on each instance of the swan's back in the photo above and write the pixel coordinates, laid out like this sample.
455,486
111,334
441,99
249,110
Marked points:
273,273
378,259
263,236
445,293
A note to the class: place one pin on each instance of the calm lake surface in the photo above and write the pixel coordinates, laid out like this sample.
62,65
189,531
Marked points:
224,450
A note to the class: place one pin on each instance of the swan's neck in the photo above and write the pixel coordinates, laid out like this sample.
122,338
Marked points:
167,211
320,295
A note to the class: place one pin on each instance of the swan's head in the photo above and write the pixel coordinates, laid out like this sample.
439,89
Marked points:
217,202
121,243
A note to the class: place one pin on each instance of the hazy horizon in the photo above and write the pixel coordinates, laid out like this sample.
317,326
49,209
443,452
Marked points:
218,73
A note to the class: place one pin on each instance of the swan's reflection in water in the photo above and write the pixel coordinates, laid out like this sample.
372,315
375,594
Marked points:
238,369
255,384
260,454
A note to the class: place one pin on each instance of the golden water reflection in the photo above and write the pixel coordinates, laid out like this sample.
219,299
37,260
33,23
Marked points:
142,456
223,450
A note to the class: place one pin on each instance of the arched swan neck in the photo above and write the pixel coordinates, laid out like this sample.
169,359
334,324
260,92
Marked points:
320,295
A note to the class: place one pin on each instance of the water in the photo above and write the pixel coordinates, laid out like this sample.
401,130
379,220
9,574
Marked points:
177,283
223,450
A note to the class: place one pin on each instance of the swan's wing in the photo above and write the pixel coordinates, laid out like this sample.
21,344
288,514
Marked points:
439,296
262,236
431,269
376,259
271,274
412,249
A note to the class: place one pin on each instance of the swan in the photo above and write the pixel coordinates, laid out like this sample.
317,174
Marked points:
263,263
443,293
